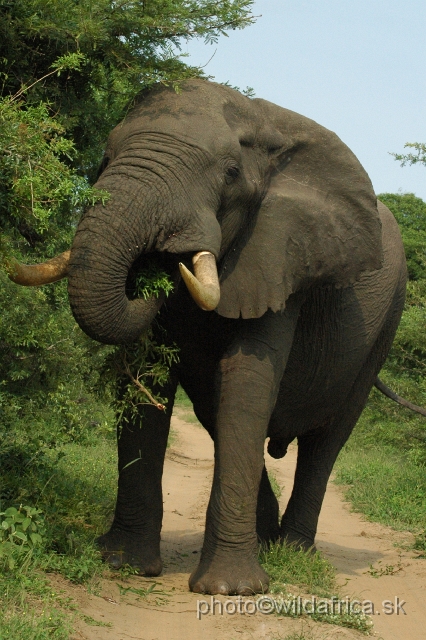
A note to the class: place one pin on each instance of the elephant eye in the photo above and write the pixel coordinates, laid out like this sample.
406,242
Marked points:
231,174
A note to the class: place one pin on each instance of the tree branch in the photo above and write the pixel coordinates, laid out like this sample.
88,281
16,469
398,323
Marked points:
138,385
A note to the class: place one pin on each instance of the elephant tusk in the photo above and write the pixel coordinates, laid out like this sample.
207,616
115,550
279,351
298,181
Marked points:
204,285
32,275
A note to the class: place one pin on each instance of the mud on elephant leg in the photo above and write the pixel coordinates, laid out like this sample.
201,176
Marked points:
134,537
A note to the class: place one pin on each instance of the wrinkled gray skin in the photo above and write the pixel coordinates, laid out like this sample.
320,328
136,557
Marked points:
312,288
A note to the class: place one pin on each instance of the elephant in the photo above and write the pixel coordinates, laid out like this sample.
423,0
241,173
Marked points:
289,286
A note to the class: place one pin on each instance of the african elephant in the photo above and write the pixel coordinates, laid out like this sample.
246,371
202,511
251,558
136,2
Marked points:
296,320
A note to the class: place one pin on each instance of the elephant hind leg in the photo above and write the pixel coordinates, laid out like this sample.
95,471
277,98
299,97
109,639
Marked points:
317,452
319,448
267,512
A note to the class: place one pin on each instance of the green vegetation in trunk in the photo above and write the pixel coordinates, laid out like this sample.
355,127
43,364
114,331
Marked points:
130,371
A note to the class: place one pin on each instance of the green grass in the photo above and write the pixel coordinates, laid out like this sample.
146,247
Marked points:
287,565
30,625
383,464
276,488
182,400
384,486
184,405
75,487
294,573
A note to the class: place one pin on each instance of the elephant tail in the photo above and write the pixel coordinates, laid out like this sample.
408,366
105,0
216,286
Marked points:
393,396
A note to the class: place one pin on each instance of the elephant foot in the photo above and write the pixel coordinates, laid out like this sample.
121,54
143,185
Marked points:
229,575
297,540
120,548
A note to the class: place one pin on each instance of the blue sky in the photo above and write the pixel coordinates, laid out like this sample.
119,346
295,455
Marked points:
357,67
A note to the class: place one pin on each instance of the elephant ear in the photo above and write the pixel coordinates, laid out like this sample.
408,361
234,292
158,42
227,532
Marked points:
318,223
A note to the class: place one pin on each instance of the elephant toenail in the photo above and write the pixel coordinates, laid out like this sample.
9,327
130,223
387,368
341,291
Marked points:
222,589
199,588
245,590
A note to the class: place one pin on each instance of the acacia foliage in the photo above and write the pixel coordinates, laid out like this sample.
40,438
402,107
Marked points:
418,156
69,70
410,213
124,46
408,355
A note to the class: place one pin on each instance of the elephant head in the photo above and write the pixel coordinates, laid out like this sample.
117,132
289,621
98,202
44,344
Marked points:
278,201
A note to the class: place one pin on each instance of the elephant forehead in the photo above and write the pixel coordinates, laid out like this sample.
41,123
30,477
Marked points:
205,112
194,97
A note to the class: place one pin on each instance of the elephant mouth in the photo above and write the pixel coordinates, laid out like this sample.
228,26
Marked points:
150,271
144,277
149,274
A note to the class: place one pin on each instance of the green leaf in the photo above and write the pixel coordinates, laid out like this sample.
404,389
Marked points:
19,518
70,61
36,538
20,535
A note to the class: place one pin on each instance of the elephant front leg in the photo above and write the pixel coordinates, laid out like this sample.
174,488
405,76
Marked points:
134,536
247,389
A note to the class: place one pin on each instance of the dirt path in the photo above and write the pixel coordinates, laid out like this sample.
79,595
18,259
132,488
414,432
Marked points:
351,544
363,553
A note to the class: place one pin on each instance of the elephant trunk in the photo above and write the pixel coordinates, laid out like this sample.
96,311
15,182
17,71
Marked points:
102,254
110,238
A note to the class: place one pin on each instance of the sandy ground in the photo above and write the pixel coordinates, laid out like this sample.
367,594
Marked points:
353,545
